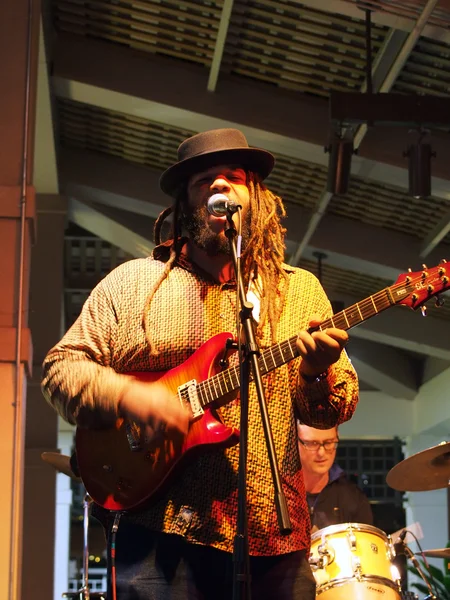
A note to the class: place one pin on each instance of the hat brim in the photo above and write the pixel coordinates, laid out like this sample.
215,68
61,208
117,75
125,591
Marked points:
252,159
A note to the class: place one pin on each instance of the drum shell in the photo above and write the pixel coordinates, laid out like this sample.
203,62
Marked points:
357,563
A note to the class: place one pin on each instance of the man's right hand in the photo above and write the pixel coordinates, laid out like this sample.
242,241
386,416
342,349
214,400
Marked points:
154,406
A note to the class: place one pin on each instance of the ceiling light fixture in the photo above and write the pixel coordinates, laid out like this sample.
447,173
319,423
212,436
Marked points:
419,167
336,305
339,164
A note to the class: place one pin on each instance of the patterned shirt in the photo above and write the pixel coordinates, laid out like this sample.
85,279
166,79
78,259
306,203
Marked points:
84,375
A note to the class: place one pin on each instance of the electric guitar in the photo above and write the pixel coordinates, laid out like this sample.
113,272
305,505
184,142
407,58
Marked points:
121,470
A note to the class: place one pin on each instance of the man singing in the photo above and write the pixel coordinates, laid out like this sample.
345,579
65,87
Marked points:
151,315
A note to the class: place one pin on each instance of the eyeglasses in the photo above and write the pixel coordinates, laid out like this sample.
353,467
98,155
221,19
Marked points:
314,445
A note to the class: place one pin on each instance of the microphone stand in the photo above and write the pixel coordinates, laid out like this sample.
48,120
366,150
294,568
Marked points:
241,570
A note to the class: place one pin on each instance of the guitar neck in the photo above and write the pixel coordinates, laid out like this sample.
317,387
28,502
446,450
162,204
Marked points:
228,381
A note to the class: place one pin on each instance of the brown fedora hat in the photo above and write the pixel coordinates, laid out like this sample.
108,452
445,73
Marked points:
214,147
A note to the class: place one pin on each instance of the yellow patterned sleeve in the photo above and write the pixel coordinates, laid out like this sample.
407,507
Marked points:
78,380
332,400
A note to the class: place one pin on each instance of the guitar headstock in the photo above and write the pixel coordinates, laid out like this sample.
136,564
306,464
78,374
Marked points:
414,289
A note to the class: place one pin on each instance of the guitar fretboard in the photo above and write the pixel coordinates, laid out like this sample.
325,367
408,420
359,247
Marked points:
228,381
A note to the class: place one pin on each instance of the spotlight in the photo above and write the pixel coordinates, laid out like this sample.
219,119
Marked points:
339,164
419,169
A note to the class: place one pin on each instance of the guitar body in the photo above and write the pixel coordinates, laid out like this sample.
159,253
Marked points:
121,470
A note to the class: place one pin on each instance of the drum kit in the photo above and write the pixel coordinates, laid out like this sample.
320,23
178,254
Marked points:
350,561
353,561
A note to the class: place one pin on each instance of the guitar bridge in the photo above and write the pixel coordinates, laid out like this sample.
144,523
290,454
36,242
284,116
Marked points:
188,394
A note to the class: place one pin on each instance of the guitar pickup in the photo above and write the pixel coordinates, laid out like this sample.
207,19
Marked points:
188,393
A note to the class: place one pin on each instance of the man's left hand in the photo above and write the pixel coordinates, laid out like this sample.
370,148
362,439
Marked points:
320,349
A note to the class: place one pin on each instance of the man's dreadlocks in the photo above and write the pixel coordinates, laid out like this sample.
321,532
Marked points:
262,259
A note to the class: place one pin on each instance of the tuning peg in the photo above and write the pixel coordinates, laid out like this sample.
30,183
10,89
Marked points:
439,301
424,267
443,261
423,310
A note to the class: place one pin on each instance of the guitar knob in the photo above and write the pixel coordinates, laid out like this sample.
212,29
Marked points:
123,485
423,310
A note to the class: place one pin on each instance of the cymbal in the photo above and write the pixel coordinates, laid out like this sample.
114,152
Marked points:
426,470
440,553
61,463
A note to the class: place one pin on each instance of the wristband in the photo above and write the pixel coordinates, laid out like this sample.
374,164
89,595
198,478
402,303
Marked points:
314,378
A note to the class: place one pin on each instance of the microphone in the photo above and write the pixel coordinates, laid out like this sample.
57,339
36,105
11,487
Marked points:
400,545
403,534
219,205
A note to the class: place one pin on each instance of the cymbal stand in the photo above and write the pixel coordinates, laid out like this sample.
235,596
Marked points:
415,562
84,593
406,595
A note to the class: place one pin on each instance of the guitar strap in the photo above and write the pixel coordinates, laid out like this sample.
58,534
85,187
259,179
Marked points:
254,296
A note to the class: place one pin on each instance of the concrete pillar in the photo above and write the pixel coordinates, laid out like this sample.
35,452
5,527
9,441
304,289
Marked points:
18,52
46,302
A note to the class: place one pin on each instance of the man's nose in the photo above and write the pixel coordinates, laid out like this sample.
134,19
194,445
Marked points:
220,184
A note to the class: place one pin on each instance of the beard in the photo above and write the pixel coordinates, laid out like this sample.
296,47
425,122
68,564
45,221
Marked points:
195,220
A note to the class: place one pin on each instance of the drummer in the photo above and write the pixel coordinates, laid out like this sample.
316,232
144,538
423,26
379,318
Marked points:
332,498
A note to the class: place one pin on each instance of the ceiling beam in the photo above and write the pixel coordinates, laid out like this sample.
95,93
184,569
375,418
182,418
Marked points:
401,328
384,368
111,174
220,44
176,95
354,10
436,235
433,367
89,195
364,242
354,262
45,173
112,226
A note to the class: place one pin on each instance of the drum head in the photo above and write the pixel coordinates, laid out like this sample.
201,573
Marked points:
341,527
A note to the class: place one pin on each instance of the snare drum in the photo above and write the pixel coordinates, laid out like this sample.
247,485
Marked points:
352,561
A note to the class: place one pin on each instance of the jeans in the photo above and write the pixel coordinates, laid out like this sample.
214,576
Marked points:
158,566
